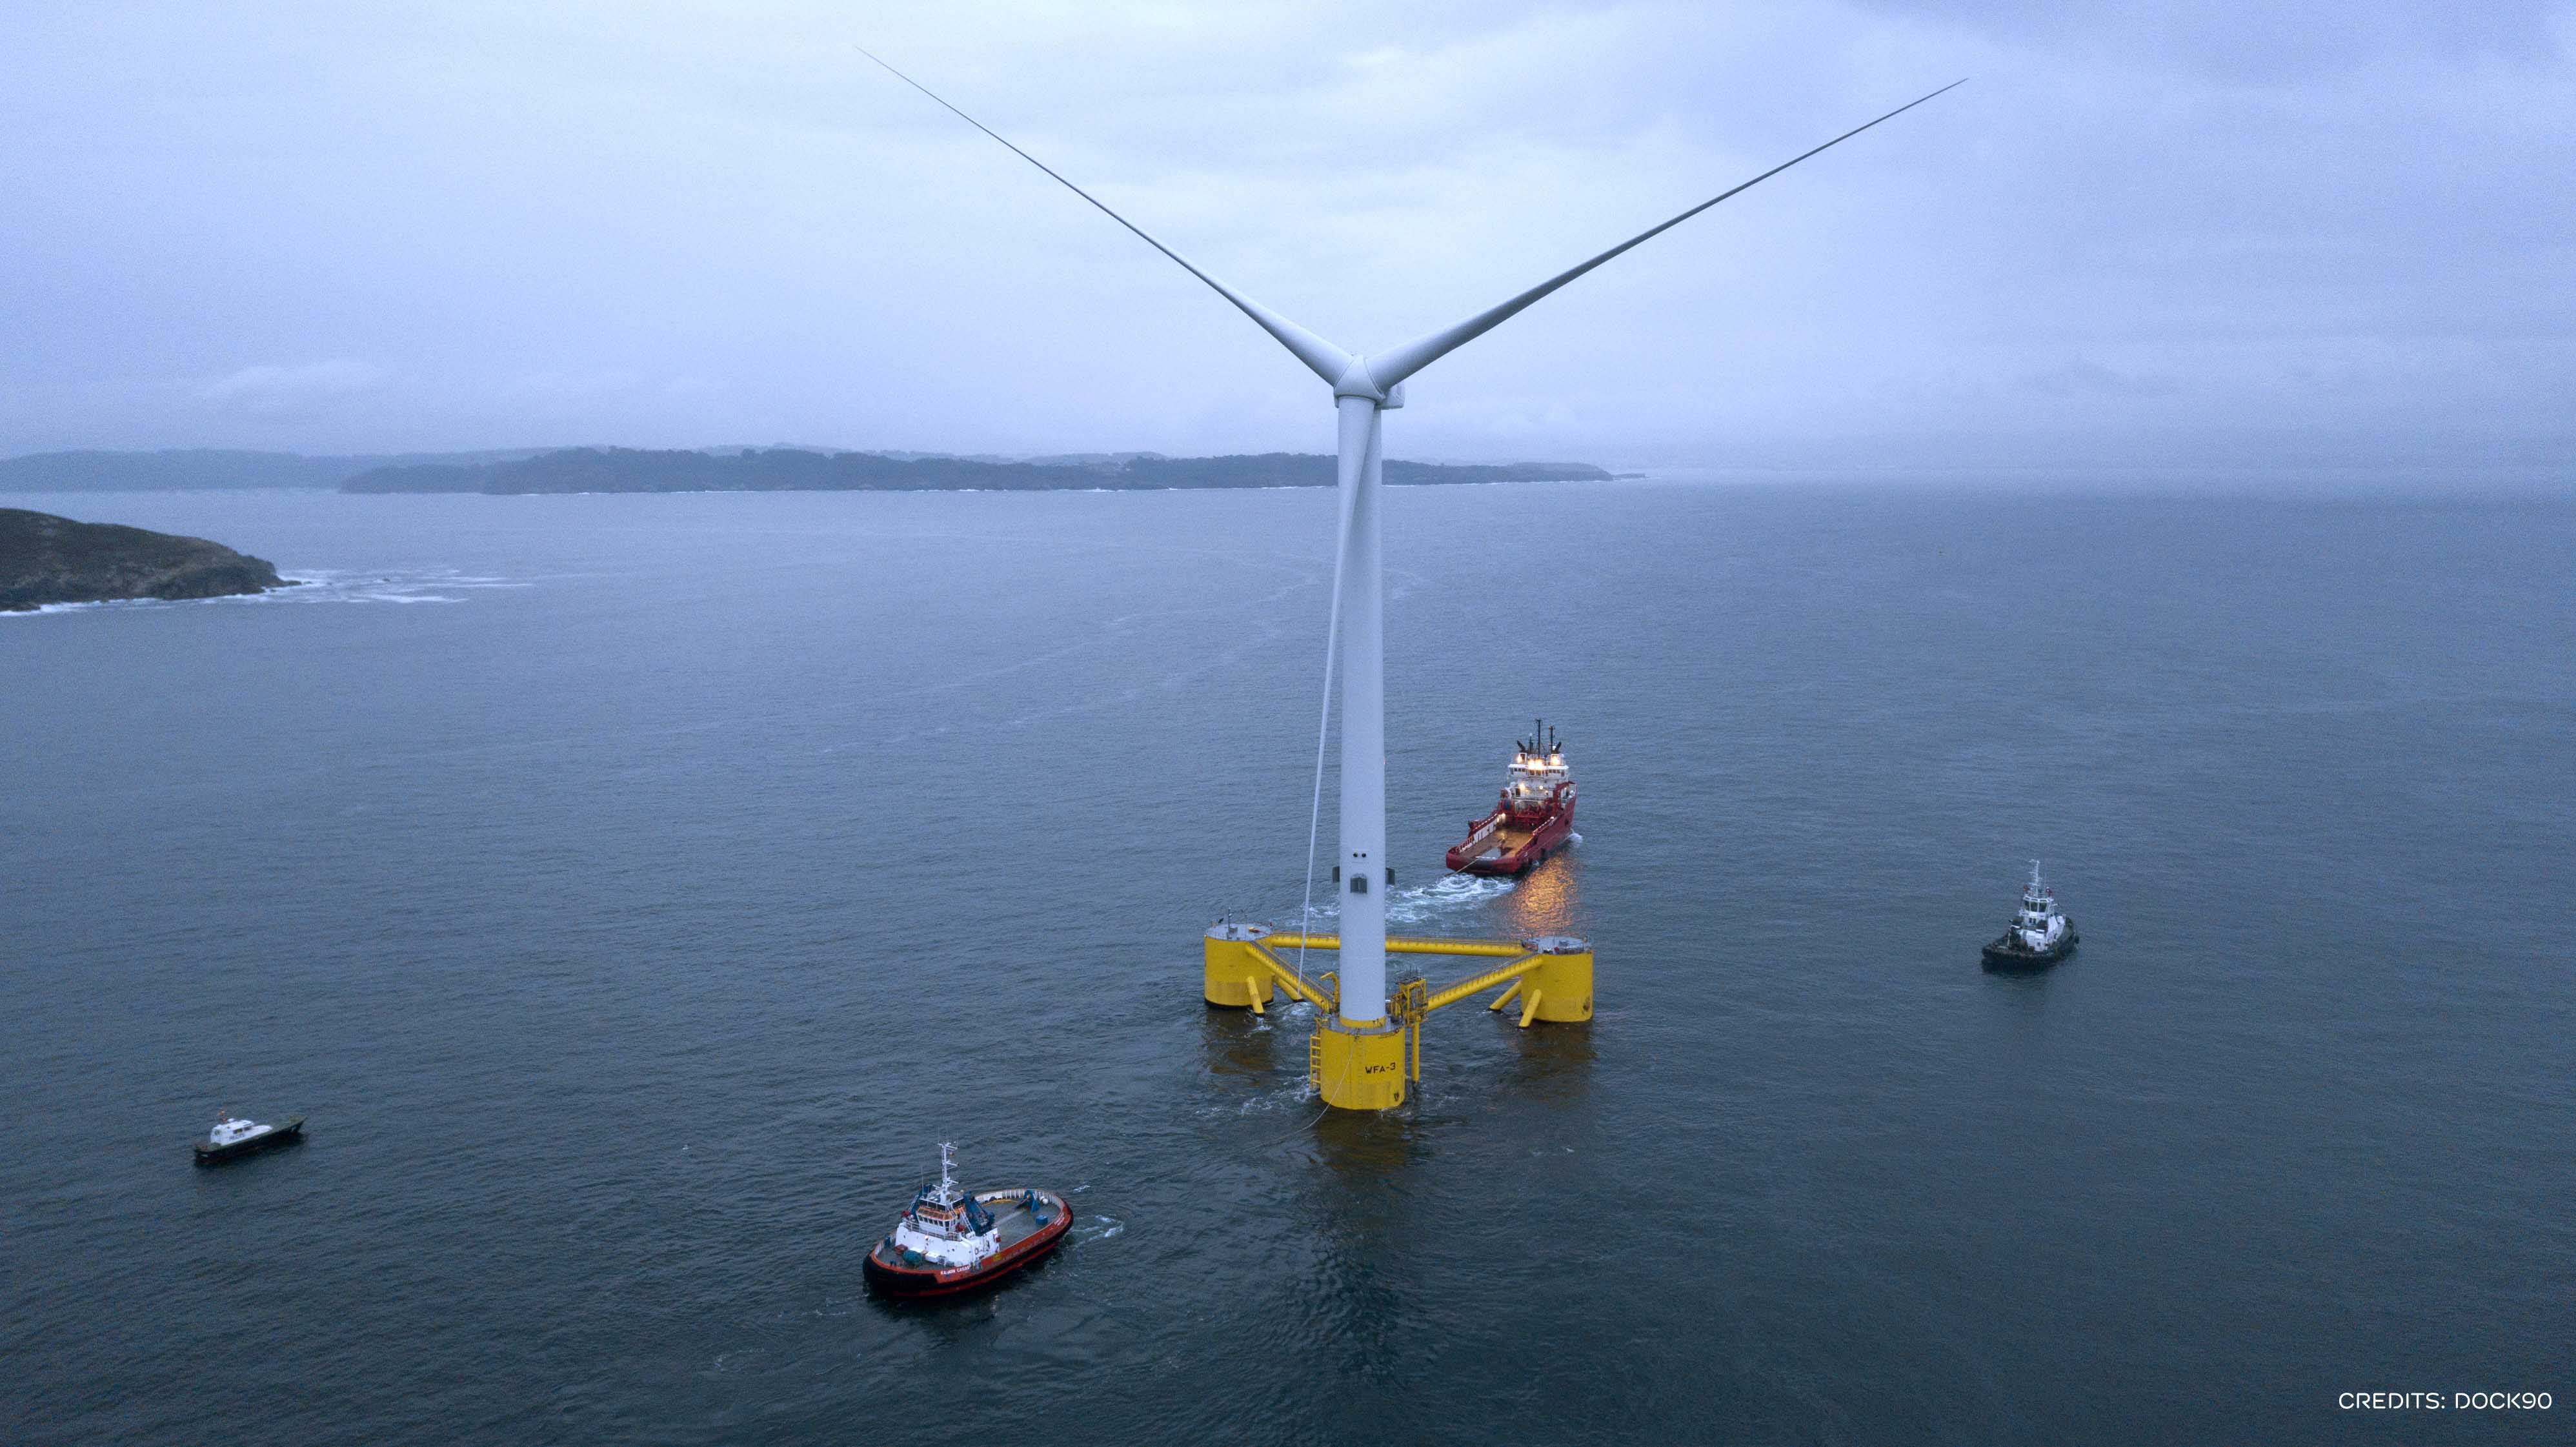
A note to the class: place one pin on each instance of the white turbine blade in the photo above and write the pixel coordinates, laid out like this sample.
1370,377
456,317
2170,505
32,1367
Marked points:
1389,368
1328,361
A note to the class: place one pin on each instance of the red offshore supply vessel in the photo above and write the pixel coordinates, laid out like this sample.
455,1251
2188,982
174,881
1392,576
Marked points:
1533,819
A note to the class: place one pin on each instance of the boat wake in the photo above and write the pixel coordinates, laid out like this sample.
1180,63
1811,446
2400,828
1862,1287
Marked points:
1414,904
1441,896
1099,1228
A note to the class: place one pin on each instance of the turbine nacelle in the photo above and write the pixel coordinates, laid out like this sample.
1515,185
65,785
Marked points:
1357,381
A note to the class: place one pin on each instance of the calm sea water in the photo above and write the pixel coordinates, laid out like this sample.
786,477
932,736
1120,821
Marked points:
634,890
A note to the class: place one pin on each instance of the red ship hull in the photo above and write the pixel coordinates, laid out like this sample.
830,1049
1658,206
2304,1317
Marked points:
1507,843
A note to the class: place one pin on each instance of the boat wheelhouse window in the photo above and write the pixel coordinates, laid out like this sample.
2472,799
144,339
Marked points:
1359,884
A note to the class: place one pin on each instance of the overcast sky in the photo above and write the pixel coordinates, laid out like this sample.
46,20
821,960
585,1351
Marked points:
2184,234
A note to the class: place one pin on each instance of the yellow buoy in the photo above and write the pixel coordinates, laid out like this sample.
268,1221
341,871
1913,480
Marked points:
1238,975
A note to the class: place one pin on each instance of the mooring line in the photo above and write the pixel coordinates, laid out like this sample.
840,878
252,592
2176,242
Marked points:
1324,725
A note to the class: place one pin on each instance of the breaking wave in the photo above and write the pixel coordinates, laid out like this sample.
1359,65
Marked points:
318,585
426,585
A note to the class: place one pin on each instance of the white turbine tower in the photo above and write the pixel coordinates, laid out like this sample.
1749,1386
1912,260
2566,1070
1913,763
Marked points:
1364,388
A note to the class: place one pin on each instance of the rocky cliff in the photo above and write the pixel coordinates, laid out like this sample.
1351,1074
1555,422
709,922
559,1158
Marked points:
47,559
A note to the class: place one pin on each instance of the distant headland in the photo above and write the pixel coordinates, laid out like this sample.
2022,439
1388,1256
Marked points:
728,469
785,469
46,559
207,469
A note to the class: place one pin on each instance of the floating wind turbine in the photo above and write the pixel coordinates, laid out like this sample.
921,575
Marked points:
1365,387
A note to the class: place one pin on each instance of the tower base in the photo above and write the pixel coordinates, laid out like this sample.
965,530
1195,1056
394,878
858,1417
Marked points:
1358,1065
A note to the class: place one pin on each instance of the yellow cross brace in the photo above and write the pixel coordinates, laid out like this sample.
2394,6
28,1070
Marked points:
1498,949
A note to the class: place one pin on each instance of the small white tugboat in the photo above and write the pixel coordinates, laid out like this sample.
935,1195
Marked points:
2039,935
235,1137
951,1241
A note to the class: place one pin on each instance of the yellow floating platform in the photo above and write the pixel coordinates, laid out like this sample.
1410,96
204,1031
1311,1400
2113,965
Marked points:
1364,1064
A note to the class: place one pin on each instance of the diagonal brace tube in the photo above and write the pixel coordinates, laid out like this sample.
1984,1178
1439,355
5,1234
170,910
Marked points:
1289,980
1479,984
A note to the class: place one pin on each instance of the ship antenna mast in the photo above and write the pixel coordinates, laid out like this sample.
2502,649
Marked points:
947,1194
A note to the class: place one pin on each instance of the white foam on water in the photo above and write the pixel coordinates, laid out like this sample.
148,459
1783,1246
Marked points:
1416,903
317,585
1109,1226
42,608
1448,893
1292,1093
427,585
1295,1093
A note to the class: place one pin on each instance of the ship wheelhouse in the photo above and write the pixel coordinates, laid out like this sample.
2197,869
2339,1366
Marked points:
1538,779
945,1225
2038,924
2038,934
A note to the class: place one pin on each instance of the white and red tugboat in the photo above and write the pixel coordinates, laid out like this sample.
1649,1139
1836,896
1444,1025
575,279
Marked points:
2039,935
951,1241
1534,817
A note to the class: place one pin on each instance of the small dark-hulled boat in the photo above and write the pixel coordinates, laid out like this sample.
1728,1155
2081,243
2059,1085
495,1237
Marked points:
951,1241
2038,937
236,1137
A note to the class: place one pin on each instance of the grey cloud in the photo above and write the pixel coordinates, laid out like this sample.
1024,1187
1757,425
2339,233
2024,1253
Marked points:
290,392
674,224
